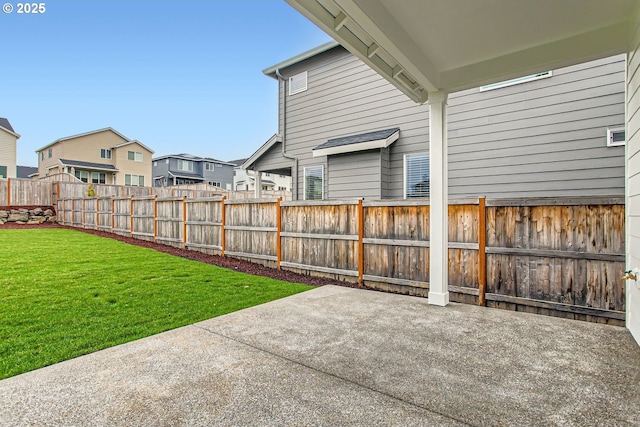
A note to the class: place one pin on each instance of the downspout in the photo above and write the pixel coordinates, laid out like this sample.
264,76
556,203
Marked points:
294,175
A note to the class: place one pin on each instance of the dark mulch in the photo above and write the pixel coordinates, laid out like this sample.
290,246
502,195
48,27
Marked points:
225,262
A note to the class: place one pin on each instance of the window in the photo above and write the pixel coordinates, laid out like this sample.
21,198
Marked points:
3,171
134,180
282,188
82,175
616,137
517,81
105,153
185,165
298,83
416,175
42,155
50,152
155,163
313,183
267,174
134,155
98,178
208,166
215,184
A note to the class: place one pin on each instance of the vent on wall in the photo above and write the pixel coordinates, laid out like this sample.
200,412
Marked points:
298,83
616,137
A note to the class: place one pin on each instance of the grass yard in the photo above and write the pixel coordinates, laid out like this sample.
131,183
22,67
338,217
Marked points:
64,293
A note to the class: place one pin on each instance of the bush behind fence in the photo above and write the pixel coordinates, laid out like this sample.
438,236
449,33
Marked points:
560,256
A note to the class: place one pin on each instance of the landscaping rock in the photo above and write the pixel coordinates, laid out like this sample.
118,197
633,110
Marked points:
36,212
18,216
48,212
4,214
29,215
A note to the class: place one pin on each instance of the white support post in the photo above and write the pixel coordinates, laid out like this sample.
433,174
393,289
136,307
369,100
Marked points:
439,200
258,181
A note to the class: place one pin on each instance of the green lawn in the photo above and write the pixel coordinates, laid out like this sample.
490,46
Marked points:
64,293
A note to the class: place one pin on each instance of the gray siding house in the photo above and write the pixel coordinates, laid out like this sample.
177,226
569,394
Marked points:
178,169
345,132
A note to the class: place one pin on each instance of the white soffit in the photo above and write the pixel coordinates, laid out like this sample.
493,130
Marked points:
426,45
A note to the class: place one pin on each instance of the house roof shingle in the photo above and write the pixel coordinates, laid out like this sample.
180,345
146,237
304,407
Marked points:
356,139
88,165
186,175
360,142
5,124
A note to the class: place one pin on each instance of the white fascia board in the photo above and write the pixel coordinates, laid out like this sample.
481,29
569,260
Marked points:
359,146
261,151
9,132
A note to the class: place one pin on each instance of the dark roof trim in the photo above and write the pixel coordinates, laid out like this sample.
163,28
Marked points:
360,142
186,175
88,165
5,125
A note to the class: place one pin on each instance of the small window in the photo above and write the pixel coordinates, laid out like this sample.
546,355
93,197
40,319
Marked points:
185,165
314,183
105,153
208,166
416,175
50,152
82,175
3,171
134,155
517,81
298,83
215,184
134,180
42,155
98,178
616,137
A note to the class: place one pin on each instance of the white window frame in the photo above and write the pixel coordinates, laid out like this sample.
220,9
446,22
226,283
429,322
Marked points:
135,156
610,134
209,166
105,153
298,83
405,174
517,81
131,179
185,165
305,180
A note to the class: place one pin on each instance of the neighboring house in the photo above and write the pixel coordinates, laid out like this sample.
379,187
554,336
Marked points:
8,149
244,179
345,132
27,171
102,156
178,169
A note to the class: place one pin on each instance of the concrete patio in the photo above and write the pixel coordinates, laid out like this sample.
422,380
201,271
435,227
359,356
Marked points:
339,356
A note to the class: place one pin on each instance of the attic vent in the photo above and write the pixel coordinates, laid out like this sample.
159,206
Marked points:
615,137
298,83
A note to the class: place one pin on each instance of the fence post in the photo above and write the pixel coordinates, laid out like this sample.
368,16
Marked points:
83,214
278,232
130,215
8,192
482,256
360,242
184,221
97,213
155,218
57,190
223,241
113,214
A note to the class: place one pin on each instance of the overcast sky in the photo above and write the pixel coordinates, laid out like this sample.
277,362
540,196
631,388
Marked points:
179,76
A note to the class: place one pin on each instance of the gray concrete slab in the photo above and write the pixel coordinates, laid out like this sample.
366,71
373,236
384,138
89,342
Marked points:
338,356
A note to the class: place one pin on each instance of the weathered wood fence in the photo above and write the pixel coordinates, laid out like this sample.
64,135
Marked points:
25,192
554,256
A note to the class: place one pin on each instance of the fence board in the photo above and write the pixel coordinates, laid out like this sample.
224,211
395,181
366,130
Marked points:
169,220
250,228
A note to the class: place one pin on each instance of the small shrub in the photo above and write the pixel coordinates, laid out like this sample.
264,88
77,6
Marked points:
91,192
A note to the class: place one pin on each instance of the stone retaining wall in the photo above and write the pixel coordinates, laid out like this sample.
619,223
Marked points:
27,216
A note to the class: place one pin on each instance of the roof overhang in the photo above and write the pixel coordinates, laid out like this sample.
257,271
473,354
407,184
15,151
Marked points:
261,151
134,142
92,167
334,146
186,176
9,131
271,71
441,45
83,134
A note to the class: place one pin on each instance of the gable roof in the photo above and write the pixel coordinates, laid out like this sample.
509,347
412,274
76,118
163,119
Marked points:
359,142
238,162
26,171
6,126
135,141
84,134
261,151
271,71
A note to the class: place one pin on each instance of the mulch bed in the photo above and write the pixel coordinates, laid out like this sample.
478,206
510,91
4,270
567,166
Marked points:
225,262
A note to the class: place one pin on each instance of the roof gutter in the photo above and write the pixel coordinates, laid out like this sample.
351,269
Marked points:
294,174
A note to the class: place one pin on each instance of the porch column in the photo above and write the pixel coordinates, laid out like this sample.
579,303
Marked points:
439,201
258,184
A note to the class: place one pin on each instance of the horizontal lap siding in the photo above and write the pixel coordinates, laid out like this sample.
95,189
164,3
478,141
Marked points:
355,173
546,137
345,97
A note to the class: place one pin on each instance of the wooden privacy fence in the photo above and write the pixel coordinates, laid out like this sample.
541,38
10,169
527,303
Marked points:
25,192
560,256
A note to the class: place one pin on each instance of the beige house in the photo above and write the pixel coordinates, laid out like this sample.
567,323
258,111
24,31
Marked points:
8,142
102,156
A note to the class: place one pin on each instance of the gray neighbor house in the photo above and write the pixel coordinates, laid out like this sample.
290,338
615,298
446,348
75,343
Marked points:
179,169
345,132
